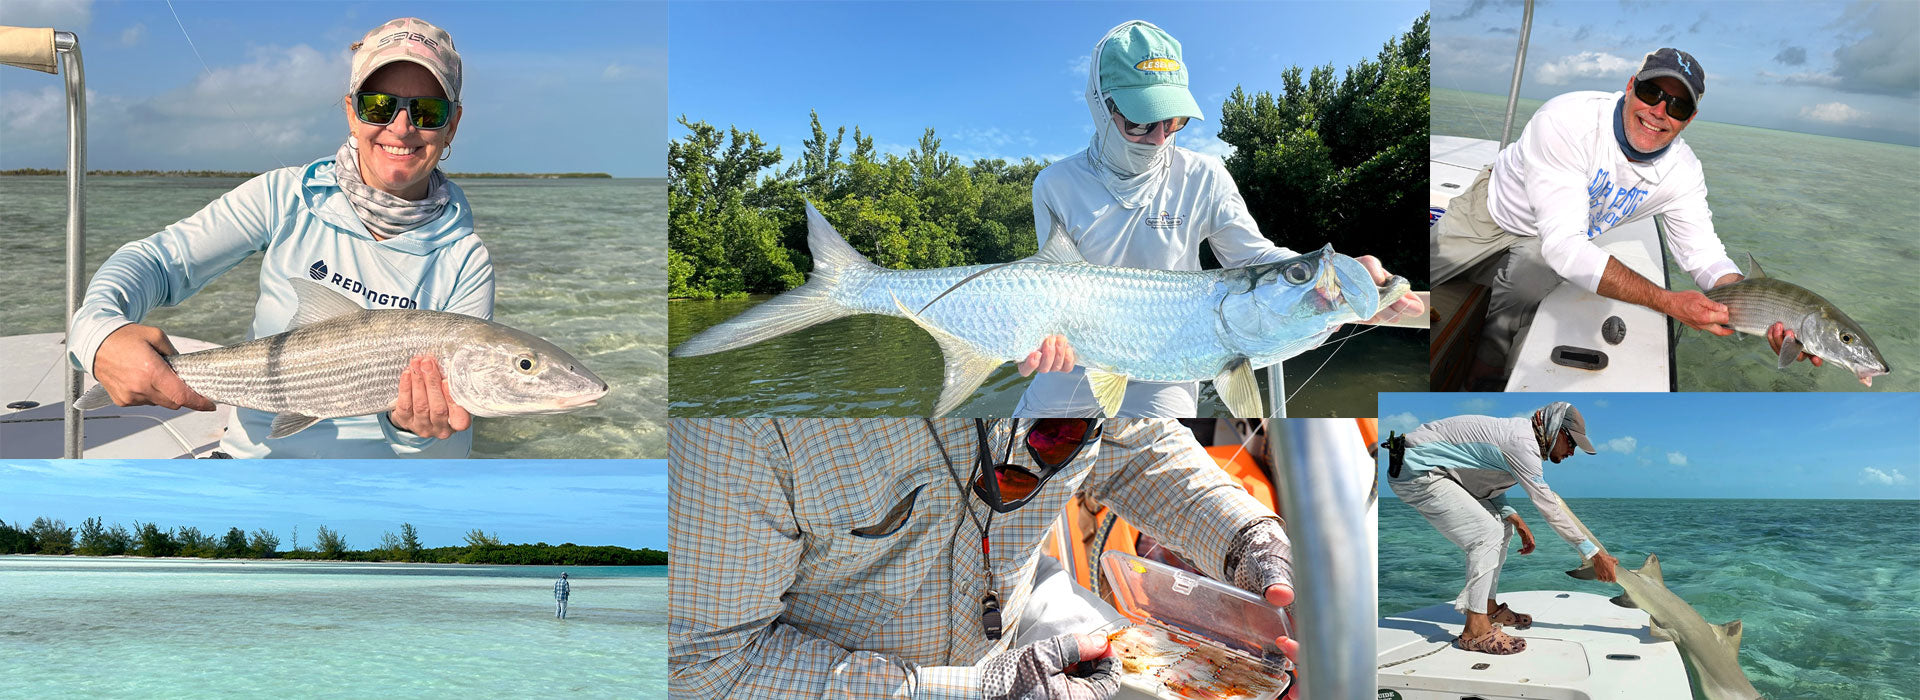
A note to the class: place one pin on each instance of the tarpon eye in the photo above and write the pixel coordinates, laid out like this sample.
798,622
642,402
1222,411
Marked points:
1846,338
525,363
1296,273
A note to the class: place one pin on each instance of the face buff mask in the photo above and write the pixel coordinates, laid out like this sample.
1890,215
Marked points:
384,214
1552,418
1132,172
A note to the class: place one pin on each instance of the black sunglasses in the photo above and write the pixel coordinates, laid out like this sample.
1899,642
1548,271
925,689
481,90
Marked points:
1137,129
380,108
1053,443
1678,106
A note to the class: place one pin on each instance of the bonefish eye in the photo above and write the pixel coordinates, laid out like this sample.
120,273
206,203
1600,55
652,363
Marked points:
1296,273
1846,338
525,364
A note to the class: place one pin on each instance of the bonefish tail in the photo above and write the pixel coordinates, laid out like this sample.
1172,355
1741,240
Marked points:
809,305
94,398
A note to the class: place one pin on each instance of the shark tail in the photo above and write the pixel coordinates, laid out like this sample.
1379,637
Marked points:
809,305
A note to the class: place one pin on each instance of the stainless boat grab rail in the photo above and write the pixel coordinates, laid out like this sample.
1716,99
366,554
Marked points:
1336,593
38,49
1519,65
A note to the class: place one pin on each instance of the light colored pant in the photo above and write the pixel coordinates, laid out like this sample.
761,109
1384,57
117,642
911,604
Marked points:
560,609
1465,242
1472,524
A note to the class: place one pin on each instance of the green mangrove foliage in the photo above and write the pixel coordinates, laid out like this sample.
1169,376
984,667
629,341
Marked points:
1343,161
1325,161
95,538
732,230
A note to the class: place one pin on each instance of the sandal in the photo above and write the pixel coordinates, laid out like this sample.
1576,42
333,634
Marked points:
1506,616
1493,642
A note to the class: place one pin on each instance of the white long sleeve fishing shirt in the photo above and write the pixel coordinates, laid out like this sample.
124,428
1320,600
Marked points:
1565,180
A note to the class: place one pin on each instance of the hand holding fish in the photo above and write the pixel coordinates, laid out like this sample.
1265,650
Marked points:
1408,304
130,367
1697,311
1054,355
1603,566
425,406
1778,333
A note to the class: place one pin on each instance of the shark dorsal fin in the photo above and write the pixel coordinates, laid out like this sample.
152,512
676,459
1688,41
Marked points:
1652,570
318,303
1059,249
1729,634
1753,267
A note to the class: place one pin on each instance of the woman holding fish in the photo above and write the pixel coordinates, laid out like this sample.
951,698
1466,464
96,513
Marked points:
1133,199
1456,472
376,220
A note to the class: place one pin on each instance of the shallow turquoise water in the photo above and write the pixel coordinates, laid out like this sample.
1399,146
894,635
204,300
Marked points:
142,628
1829,214
1826,590
579,262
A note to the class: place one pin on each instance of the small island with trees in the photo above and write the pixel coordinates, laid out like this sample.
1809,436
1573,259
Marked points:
95,538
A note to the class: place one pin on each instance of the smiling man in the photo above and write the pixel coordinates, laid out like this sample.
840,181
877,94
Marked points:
1587,162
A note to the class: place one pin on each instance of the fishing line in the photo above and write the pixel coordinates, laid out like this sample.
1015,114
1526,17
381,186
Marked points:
209,72
1323,363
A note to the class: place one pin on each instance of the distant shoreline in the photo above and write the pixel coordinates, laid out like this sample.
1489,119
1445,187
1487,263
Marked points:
136,557
42,172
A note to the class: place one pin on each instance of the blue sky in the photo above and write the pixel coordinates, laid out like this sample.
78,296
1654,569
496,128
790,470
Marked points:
1711,445
1837,69
996,80
590,502
549,87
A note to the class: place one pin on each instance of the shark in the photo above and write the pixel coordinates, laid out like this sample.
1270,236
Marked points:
1713,651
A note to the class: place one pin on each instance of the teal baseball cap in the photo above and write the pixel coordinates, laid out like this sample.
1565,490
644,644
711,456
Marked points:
1140,68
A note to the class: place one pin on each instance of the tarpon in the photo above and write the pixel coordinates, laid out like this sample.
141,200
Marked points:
1712,650
1819,328
343,360
1124,324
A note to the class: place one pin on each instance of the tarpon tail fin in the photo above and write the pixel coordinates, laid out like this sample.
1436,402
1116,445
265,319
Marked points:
966,367
94,398
809,305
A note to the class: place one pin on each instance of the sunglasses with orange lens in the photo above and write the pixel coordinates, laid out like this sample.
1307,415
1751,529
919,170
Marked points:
1053,443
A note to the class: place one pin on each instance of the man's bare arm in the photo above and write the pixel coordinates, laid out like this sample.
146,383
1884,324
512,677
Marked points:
1690,307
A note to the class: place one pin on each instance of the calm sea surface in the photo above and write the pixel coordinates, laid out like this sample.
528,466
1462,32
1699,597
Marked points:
181,628
883,366
1828,591
579,262
1832,215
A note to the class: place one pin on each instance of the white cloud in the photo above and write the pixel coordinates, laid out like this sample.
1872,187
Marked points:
63,15
1623,445
1833,113
1476,405
1601,403
1080,65
1875,477
1676,459
1402,422
616,72
132,35
1583,65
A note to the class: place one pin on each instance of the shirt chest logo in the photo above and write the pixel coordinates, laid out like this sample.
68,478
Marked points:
1165,220
1608,204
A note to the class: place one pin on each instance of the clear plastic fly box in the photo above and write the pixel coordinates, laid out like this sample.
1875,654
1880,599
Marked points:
1193,637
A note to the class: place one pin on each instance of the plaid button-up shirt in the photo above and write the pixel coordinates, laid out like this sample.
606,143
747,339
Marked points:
774,595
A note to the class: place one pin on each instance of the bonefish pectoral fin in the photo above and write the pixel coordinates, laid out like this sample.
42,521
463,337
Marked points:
1789,351
966,368
285,424
1108,388
94,398
1239,390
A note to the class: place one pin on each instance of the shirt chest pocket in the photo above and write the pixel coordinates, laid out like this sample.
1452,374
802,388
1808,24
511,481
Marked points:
881,531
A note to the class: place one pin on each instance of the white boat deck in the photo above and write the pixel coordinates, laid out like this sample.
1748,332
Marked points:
36,367
1570,317
1581,647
